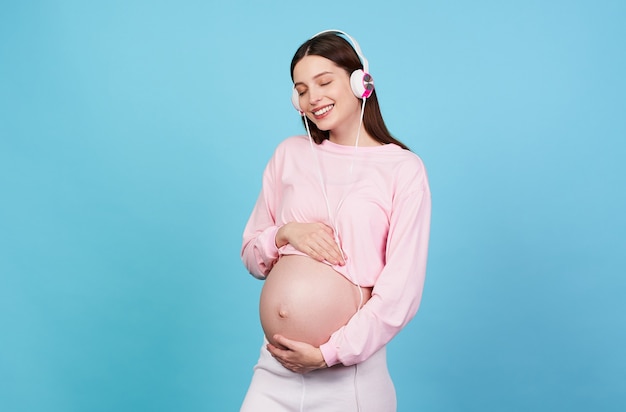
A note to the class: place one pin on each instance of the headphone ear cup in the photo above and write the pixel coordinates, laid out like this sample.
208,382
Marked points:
295,100
362,84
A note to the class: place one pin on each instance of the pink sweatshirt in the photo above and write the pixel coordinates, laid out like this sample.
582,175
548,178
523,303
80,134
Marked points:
382,214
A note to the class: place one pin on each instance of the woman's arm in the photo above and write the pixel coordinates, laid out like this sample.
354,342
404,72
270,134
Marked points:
259,251
398,290
264,235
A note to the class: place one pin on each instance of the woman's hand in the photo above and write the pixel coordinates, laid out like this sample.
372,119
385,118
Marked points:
314,239
298,357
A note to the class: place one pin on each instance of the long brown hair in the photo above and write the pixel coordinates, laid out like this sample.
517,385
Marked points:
337,49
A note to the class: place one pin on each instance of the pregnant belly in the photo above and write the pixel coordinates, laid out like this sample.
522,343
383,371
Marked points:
306,300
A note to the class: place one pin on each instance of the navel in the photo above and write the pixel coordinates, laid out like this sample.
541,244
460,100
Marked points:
282,311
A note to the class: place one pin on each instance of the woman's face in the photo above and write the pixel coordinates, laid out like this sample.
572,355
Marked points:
325,95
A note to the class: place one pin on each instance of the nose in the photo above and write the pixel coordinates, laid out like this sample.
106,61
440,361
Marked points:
314,96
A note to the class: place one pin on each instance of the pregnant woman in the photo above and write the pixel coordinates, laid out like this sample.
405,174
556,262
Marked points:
339,234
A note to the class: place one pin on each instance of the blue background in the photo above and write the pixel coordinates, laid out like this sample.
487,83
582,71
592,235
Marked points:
133,135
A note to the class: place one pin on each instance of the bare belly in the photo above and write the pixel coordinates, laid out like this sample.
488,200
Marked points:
306,300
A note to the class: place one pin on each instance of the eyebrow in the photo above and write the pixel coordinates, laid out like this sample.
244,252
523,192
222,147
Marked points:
314,77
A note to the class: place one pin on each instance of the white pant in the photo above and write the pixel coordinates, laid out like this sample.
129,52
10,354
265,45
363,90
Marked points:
366,387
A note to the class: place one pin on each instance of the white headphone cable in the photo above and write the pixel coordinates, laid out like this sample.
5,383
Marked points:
332,217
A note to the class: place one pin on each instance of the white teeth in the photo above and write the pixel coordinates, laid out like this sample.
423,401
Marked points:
323,110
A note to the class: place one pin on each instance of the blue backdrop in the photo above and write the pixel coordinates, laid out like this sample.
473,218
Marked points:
133,135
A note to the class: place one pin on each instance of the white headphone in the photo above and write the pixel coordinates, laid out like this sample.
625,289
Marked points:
361,81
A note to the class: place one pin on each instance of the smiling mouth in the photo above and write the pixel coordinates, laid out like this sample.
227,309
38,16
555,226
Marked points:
323,110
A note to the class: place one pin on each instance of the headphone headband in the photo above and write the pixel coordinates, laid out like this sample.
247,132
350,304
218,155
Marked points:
355,46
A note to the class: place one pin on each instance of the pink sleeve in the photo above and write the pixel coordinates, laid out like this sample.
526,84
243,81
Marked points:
398,290
259,251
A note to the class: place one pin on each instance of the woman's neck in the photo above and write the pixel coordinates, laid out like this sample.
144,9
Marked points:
349,138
